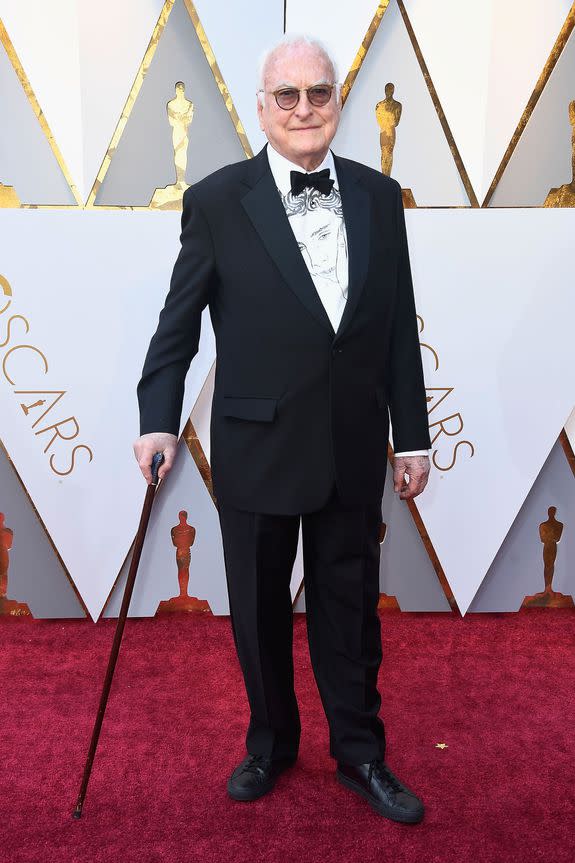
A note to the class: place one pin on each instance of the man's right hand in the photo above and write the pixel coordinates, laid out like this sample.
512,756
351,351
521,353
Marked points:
148,445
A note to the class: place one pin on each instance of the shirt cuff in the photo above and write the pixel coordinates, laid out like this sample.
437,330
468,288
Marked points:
414,452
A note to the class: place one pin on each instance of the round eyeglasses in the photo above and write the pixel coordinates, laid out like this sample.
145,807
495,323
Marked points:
288,97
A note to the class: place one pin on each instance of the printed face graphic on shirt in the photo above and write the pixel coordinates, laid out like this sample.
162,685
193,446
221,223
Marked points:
321,235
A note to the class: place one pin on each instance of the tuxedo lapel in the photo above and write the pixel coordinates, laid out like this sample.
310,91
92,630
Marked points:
356,212
265,210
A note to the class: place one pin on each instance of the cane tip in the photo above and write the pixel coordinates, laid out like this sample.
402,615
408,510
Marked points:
77,813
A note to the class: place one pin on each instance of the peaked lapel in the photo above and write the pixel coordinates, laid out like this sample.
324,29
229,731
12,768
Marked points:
356,212
264,208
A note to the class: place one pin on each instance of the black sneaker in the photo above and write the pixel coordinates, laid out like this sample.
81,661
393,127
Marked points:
256,775
382,789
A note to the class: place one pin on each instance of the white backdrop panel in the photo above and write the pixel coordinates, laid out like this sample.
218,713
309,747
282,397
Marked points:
494,288
90,288
484,60
454,38
340,27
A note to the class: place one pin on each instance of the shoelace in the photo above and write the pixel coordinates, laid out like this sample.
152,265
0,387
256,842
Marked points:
256,764
382,770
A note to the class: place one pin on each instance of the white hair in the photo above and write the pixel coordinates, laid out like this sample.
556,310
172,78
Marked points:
288,40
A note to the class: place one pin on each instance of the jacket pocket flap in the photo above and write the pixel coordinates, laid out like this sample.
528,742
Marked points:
249,408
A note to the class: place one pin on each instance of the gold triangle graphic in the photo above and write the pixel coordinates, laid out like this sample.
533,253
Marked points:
210,57
428,545
136,86
550,64
33,101
357,64
567,449
362,50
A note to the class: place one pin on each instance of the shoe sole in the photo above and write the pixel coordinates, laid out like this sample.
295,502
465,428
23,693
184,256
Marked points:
381,808
246,796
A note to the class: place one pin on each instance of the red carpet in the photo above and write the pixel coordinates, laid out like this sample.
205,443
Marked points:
497,688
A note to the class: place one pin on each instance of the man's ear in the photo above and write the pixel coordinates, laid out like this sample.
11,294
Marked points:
260,108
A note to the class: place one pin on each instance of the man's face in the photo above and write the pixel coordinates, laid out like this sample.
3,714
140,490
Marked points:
302,134
322,248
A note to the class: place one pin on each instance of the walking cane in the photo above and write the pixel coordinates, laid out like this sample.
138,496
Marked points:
138,543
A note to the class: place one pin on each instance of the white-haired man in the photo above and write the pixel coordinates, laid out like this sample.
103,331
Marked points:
302,258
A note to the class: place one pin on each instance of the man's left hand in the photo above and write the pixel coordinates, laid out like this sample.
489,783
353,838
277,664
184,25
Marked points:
417,469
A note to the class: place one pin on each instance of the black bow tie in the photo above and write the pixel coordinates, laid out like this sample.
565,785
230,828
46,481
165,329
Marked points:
319,180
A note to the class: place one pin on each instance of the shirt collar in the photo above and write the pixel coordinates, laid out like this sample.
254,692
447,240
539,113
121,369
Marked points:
281,167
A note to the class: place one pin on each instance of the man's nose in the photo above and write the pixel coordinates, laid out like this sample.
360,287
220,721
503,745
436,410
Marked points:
304,107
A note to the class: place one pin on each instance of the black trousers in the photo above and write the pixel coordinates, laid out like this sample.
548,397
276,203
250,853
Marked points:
341,554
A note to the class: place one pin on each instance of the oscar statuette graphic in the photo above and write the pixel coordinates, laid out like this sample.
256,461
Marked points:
180,114
550,533
8,606
564,196
385,599
388,115
183,536
8,196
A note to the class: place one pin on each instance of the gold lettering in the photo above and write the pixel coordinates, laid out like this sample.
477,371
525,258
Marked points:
433,399
429,348
58,433
72,466
458,444
40,402
60,428
7,291
443,430
20,348
14,318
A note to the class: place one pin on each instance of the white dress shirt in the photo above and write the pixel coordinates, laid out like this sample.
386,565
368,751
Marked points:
321,236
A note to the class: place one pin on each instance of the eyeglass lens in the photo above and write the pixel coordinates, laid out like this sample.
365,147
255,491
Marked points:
318,96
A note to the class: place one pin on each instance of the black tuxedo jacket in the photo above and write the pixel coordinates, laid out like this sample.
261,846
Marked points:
296,406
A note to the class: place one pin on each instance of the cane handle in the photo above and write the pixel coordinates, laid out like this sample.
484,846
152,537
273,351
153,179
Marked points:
156,462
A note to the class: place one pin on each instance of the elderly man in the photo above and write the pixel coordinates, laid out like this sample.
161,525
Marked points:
302,258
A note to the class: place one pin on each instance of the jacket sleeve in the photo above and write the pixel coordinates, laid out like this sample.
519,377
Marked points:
406,387
174,344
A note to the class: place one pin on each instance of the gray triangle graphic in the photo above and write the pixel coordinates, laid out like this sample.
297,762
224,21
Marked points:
157,577
542,157
422,159
35,575
27,162
144,157
406,571
517,570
